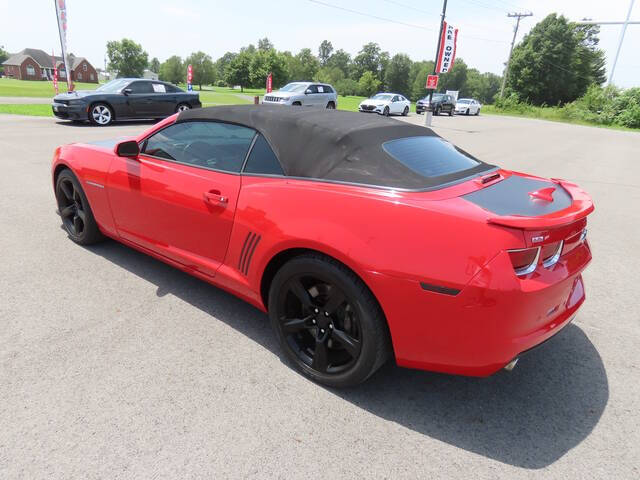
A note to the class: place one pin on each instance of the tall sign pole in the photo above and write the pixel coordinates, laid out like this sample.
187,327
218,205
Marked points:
513,41
429,115
624,29
61,14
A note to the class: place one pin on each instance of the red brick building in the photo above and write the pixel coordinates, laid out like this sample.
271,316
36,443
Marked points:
34,64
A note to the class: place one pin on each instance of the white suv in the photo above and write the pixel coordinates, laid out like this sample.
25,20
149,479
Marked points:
306,94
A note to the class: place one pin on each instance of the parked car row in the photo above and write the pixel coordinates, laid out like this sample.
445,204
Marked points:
136,98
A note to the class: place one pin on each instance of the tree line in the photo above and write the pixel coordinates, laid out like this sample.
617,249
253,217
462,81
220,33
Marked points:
555,63
371,70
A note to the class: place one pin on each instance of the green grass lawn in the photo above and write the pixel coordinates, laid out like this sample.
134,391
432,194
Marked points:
37,110
10,87
553,114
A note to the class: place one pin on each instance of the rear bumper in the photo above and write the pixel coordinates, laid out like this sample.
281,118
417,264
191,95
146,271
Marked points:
494,319
69,112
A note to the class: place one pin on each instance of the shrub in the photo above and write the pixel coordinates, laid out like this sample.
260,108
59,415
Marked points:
347,87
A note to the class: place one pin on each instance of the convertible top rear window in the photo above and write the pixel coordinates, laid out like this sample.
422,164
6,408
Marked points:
429,156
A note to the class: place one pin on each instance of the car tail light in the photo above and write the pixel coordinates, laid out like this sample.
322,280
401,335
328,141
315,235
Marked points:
550,253
524,260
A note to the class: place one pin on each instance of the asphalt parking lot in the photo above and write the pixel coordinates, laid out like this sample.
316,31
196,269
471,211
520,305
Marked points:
114,365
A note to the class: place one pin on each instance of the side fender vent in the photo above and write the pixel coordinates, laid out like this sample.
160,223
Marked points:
249,246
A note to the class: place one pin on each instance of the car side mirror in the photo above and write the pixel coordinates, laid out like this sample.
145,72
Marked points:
127,91
129,149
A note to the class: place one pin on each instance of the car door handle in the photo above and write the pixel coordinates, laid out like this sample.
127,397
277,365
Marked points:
215,197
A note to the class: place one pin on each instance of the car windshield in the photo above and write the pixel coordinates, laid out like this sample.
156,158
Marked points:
464,100
381,96
436,96
294,87
429,156
113,86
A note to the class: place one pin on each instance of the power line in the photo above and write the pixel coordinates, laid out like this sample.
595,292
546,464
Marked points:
384,19
410,7
337,7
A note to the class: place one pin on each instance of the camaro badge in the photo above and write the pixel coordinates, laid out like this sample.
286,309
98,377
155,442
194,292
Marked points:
545,194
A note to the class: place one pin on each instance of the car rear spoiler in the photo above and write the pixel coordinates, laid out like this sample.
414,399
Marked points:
581,206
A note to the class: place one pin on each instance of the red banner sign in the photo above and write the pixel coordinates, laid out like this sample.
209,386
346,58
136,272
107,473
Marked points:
447,53
189,77
269,82
432,82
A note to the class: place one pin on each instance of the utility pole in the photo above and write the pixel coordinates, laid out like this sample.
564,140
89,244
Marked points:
515,32
429,115
624,29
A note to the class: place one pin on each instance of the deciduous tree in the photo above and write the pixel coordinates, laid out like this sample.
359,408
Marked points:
127,57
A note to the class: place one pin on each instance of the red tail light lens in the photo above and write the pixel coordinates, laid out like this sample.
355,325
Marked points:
525,260
550,253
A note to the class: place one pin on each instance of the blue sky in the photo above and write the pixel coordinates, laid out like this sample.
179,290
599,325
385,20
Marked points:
165,28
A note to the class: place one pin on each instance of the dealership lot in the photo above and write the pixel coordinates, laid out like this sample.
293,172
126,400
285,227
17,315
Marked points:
114,365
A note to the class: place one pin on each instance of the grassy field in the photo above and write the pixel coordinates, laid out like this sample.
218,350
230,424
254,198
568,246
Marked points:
10,87
37,110
209,96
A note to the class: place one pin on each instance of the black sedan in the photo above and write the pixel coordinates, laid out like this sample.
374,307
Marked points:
124,99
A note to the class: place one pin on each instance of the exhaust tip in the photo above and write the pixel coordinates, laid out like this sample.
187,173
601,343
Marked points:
511,365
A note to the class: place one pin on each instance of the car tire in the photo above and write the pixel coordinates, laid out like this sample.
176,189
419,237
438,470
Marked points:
405,112
436,112
451,112
477,112
182,107
340,349
331,106
467,112
74,209
386,111
101,114
296,104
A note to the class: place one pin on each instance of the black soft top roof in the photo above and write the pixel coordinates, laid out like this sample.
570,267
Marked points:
331,144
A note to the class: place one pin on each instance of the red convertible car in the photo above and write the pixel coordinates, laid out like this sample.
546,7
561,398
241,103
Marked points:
364,238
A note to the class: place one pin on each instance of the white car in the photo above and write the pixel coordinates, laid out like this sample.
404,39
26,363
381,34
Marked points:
386,104
467,106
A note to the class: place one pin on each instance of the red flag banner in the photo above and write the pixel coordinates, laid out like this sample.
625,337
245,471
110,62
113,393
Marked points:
61,13
447,53
269,82
189,77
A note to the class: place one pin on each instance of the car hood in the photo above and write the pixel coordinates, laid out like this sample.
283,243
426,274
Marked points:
371,101
75,95
284,94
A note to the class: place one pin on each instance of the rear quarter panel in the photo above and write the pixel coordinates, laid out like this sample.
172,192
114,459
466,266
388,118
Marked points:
377,233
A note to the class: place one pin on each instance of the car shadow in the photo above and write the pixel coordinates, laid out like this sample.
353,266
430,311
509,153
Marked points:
69,123
528,418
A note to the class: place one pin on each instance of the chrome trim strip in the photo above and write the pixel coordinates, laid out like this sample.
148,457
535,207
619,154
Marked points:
88,182
556,256
529,268
583,235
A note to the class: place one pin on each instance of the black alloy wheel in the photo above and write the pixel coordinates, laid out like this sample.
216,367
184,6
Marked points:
385,112
327,321
405,111
75,212
467,112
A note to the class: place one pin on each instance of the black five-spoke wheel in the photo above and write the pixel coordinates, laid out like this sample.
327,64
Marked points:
327,321
77,217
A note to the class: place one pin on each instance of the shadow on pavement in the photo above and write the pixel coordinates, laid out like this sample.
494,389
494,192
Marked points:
69,123
528,418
